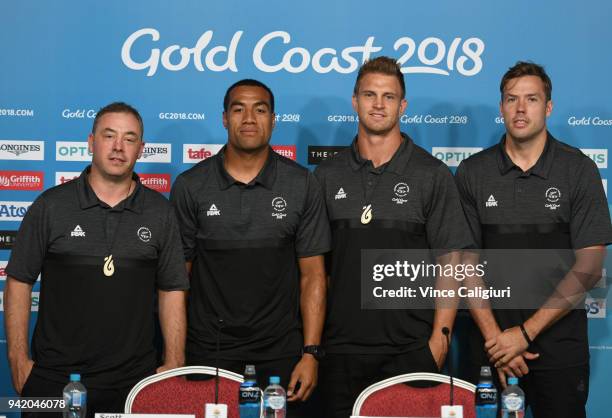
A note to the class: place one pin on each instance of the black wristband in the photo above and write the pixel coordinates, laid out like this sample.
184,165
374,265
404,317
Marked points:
524,331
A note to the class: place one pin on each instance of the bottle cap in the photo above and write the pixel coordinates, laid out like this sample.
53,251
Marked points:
75,377
249,370
274,380
485,371
513,380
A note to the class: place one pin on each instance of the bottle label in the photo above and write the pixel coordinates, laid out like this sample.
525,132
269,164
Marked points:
513,402
486,396
249,395
275,402
78,399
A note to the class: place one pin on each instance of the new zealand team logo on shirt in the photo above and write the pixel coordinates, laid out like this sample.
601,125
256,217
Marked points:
553,195
279,205
144,234
401,190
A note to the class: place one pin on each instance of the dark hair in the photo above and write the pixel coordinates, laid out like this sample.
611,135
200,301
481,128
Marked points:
381,65
523,68
118,107
247,82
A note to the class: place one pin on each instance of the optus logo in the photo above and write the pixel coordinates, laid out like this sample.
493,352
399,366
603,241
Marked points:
452,156
72,151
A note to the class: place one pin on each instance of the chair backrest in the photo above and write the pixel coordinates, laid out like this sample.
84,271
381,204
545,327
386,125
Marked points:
171,393
392,397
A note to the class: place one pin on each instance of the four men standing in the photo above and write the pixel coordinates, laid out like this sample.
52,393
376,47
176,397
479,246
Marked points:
255,227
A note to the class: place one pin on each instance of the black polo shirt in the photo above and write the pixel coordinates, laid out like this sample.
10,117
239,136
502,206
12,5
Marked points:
244,241
558,203
415,205
89,323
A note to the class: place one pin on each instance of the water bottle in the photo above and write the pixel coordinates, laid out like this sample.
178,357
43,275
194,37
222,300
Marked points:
75,396
249,395
486,395
513,400
275,399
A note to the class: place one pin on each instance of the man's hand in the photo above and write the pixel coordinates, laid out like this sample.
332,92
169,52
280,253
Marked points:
505,346
439,349
306,372
168,366
517,367
20,370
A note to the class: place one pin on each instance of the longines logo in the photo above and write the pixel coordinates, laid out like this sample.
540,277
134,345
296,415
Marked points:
318,153
22,150
156,153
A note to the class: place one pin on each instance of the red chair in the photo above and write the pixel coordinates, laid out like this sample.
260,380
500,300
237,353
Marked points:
171,393
393,398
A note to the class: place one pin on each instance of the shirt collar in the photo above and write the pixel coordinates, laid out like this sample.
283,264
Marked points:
541,168
396,164
87,197
266,176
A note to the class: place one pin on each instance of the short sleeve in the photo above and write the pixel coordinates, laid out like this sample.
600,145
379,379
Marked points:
313,234
171,272
445,225
30,248
590,216
186,213
468,203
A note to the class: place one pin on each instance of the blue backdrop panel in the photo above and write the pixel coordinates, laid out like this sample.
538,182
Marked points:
173,61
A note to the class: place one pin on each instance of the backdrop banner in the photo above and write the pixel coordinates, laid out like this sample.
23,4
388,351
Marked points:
173,61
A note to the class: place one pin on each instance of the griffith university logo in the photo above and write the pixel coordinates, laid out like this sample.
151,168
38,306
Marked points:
341,194
279,205
213,211
491,202
553,195
77,232
401,190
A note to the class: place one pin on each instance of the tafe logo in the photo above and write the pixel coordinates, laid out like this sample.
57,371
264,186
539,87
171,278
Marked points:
62,177
194,153
3,270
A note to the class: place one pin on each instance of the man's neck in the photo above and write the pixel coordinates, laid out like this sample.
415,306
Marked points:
378,148
525,153
109,190
244,166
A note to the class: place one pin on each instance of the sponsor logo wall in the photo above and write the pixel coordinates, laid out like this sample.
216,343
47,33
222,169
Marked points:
175,62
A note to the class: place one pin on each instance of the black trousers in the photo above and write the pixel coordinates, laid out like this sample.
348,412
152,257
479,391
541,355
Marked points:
345,376
266,368
554,393
98,400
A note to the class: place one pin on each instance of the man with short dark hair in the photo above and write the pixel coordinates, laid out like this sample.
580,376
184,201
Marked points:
361,186
531,191
104,245
254,233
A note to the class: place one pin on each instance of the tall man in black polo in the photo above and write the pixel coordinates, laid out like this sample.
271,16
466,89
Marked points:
254,230
384,192
531,191
105,245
